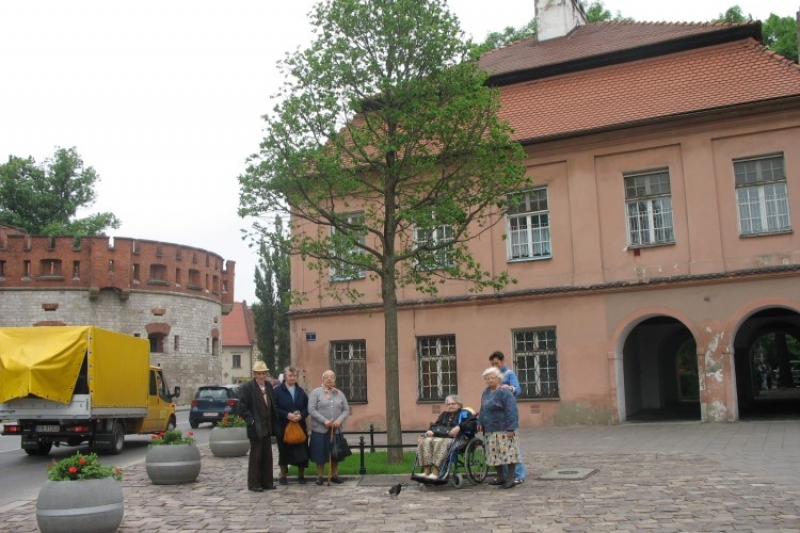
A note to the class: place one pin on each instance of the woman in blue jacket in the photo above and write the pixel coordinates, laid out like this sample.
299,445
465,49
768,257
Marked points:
291,403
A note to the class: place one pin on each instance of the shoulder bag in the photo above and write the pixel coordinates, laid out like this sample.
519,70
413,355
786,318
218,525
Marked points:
339,448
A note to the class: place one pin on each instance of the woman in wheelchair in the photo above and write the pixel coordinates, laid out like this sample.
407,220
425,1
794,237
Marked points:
434,445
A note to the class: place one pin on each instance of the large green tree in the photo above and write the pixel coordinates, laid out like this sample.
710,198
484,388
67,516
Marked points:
778,33
387,149
44,198
273,290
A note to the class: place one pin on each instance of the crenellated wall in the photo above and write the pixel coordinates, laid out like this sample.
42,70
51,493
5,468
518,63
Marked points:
140,288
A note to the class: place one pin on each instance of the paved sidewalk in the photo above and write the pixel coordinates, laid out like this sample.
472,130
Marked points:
666,477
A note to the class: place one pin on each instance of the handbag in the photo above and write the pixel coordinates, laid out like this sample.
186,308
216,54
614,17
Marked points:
339,448
294,434
439,430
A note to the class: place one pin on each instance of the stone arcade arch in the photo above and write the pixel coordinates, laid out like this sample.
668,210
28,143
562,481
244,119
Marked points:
659,371
768,337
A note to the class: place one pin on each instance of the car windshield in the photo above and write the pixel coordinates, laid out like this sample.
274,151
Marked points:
212,394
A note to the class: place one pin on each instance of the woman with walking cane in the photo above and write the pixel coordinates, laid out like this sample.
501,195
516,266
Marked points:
328,409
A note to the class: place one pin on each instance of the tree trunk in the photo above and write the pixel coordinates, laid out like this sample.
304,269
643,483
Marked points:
394,435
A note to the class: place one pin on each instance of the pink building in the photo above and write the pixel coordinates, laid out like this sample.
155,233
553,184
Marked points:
655,254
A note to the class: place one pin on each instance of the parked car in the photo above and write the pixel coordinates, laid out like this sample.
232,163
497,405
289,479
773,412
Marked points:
212,402
795,368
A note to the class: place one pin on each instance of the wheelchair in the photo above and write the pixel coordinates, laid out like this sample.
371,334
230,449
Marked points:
466,457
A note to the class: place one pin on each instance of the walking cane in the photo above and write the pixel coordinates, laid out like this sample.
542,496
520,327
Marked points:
330,456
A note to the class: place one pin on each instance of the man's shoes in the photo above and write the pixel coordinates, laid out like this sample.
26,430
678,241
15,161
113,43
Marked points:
336,480
519,481
270,487
320,481
509,485
256,489
497,482
301,480
283,481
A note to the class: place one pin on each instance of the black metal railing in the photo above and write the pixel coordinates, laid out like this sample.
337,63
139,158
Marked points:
373,446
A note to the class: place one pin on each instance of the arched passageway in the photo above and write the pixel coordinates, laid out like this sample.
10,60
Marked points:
660,372
767,359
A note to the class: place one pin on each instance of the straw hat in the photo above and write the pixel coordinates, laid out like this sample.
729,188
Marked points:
260,367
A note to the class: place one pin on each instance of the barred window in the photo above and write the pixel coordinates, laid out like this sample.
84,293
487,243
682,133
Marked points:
436,358
349,362
536,362
649,205
528,220
345,241
761,195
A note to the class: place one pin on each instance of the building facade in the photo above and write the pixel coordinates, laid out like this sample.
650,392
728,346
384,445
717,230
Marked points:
239,349
173,295
655,253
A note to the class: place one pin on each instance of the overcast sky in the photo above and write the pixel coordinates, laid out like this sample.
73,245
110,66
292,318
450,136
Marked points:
164,98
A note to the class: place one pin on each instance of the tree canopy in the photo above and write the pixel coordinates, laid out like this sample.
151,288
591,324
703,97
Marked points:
44,198
387,149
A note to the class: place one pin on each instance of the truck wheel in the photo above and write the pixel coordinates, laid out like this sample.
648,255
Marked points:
194,423
117,439
172,424
43,448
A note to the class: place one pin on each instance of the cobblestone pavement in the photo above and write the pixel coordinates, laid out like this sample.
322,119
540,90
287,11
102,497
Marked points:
670,477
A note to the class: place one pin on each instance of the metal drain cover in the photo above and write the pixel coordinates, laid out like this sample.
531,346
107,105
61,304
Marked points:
568,473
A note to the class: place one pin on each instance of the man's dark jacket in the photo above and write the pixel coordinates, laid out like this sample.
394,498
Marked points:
249,394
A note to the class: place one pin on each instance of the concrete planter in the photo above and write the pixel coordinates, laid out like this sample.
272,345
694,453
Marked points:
228,442
89,506
169,464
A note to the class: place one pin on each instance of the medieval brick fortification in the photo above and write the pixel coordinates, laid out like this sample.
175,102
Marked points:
173,295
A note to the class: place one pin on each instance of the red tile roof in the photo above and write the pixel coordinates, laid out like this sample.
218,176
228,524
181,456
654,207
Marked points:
712,77
237,329
598,39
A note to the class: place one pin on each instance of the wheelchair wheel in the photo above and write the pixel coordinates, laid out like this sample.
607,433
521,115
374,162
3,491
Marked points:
475,461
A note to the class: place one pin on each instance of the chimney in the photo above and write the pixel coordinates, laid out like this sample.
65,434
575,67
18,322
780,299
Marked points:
556,18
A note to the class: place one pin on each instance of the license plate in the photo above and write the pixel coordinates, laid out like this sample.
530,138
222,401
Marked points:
49,428
211,414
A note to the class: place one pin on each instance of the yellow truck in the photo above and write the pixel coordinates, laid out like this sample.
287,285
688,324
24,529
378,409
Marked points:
74,384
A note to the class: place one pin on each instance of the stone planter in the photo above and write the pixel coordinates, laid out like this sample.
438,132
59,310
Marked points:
228,442
169,464
89,506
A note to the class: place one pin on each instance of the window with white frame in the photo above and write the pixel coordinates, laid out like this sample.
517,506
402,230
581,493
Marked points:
345,241
761,195
536,362
439,254
349,363
649,204
528,225
436,360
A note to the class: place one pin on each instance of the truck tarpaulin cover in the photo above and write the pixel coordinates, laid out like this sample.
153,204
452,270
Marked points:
43,361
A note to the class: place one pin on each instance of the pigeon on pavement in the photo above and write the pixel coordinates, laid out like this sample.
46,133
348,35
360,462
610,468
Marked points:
395,490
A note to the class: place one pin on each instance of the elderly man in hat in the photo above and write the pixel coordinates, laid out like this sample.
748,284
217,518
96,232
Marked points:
257,407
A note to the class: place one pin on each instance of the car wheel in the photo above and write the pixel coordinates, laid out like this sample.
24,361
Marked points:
172,424
194,424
